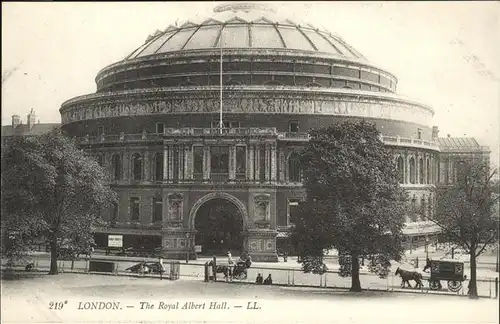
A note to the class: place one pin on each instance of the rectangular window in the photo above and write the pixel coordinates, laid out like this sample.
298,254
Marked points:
293,210
134,209
157,209
159,167
241,157
160,128
198,162
234,125
100,130
219,159
293,126
419,133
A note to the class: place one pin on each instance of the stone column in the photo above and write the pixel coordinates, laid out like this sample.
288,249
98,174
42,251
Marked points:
166,155
417,171
250,162
426,172
267,161
145,166
206,162
257,163
180,161
188,160
282,165
126,165
232,162
273,163
404,167
170,163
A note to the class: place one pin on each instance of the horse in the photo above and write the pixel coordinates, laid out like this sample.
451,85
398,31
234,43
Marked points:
406,276
225,269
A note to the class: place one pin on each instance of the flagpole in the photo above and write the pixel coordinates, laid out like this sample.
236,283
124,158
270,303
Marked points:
220,94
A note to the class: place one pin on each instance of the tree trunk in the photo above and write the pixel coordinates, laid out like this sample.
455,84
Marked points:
355,283
53,256
472,283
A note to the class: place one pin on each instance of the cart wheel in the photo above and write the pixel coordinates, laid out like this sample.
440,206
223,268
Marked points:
454,285
433,284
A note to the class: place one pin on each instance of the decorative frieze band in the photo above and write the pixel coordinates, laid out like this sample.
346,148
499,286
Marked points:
335,105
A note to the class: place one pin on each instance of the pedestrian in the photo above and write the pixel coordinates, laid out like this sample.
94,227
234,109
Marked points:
268,281
230,263
259,279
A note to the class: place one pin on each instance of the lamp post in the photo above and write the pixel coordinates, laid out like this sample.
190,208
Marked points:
187,246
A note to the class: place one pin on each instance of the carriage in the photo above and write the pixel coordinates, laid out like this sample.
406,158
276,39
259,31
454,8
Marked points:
449,270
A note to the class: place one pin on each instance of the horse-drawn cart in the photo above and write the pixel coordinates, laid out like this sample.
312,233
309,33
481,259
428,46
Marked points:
449,270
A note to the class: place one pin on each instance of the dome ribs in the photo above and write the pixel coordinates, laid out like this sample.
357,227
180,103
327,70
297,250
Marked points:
163,44
349,47
219,36
249,34
191,36
279,34
330,42
308,39
147,44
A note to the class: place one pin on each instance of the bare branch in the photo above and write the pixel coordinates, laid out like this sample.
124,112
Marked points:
488,241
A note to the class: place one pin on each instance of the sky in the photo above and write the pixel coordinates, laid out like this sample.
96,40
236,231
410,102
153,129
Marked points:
444,54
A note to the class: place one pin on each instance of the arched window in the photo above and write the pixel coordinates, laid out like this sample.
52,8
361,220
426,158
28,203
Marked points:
137,166
159,167
429,171
294,169
117,167
421,177
401,171
412,170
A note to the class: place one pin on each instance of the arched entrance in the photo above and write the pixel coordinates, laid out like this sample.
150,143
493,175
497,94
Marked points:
219,227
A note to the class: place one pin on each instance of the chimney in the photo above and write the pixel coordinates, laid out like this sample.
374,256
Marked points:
16,120
435,132
31,118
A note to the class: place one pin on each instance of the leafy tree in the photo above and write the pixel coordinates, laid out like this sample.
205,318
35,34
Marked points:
354,201
50,189
465,212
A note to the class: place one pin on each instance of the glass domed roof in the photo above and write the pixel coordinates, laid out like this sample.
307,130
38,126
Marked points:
245,25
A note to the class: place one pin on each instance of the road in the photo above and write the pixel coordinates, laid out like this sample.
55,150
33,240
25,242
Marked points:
288,273
27,299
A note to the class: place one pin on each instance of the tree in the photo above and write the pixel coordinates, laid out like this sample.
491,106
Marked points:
354,201
50,189
465,212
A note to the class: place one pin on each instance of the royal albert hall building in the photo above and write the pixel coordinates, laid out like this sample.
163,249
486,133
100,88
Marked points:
186,184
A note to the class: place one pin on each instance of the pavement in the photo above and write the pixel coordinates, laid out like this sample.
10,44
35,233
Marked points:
78,298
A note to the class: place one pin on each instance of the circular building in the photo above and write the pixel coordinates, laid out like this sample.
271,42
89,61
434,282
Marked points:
193,187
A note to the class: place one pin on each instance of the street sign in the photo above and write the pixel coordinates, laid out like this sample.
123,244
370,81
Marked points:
198,248
115,240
